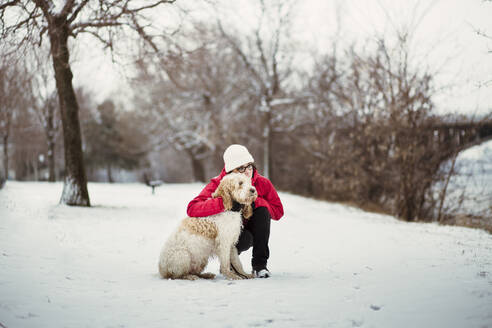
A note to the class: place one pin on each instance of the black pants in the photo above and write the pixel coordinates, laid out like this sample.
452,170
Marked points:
256,232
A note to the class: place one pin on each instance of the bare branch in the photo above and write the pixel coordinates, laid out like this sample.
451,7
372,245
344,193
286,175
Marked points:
44,6
140,30
80,27
153,5
67,8
9,4
106,43
481,33
242,55
32,15
42,31
77,11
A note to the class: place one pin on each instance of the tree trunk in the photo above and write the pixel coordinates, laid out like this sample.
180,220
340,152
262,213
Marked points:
51,161
443,192
110,175
75,186
267,146
198,169
6,156
35,168
51,143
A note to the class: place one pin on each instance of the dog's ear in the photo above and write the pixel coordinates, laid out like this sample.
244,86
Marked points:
247,211
227,199
223,192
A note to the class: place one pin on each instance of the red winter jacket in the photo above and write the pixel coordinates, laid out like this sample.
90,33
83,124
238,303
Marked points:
205,205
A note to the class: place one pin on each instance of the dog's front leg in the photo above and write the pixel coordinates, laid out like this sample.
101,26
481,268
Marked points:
236,264
224,254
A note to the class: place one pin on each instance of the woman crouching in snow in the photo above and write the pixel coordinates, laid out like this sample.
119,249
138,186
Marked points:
256,230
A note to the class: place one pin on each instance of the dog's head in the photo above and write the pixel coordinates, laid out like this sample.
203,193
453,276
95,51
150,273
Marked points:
237,187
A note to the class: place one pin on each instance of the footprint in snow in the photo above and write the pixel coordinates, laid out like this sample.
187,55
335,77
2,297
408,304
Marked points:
376,307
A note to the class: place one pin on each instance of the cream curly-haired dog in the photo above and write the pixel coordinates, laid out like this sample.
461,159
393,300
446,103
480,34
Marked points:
186,252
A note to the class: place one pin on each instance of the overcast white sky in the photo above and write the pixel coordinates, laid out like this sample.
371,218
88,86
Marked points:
445,39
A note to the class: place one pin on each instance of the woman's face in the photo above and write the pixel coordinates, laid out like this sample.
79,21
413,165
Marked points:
247,170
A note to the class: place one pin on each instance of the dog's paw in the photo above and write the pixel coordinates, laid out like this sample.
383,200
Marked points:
245,276
190,277
234,277
231,276
206,275
249,276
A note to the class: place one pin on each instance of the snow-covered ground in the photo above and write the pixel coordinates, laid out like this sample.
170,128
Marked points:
333,266
474,166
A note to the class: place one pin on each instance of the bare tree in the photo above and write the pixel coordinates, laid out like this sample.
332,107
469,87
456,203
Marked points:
13,82
267,63
371,138
195,99
45,106
105,142
30,21
28,143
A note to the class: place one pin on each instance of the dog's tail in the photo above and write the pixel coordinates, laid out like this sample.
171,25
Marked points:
174,263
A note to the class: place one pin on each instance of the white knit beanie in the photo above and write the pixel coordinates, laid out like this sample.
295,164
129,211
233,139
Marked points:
236,156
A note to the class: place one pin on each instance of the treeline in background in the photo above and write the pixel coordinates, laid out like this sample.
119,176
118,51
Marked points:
357,124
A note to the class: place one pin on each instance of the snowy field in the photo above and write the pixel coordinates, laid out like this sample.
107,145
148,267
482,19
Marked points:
475,178
333,266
